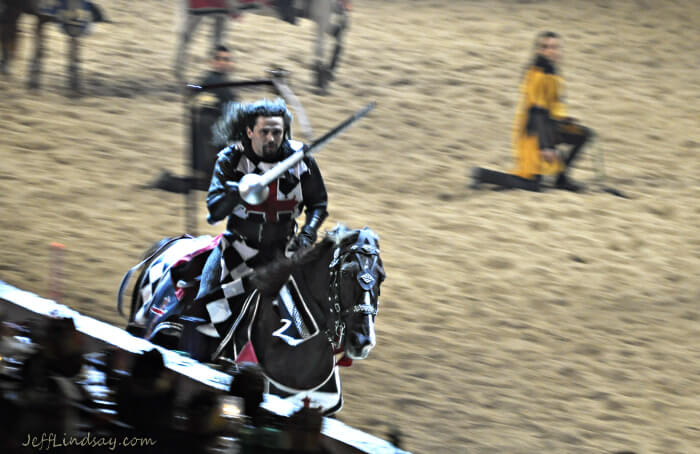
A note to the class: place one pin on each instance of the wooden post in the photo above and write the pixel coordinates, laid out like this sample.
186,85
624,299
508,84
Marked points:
56,251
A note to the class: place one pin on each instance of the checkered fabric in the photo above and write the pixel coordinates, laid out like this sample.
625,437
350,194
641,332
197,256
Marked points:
240,255
165,260
224,304
237,259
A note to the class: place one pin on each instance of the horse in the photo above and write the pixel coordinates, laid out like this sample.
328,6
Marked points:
303,317
75,18
331,16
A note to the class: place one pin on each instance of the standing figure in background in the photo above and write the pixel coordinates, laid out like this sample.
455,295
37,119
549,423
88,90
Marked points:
221,65
191,13
541,124
206,108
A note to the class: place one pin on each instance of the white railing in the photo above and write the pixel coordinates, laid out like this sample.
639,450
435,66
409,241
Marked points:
20,305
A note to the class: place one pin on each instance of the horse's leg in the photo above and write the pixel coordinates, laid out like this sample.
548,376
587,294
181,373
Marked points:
8,37
321,11
73,65
190,24
35,68
220,23
338,32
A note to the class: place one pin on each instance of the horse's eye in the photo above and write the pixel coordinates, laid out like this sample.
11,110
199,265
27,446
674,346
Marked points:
348,269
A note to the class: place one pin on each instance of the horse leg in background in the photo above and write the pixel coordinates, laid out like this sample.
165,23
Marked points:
338,32
8,37
190,24
35,65
73,65
321,12
219,30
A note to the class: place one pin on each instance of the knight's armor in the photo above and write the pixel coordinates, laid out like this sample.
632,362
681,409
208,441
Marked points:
270,224
255,234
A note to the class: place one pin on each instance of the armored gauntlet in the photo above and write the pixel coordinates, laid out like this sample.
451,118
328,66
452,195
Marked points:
307,235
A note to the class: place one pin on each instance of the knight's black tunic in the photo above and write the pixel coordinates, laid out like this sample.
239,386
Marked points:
273,220
255,234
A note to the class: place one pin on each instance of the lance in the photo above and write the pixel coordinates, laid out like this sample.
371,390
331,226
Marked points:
253,187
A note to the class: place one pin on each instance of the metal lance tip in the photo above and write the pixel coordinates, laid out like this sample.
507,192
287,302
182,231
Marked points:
252,190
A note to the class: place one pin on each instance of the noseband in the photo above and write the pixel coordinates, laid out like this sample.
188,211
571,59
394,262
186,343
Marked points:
367,280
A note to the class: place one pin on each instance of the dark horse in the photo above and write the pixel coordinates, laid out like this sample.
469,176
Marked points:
74,16
303,317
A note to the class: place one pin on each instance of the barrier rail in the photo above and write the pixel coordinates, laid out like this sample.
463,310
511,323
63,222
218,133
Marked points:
22,305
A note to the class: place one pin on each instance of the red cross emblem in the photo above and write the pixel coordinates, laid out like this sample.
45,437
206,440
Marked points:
271,207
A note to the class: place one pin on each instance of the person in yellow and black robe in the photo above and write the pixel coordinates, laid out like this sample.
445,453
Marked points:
541,124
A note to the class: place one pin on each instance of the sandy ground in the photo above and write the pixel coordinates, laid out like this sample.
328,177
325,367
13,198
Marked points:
510,321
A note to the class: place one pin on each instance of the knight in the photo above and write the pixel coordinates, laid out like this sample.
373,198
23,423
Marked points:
257,136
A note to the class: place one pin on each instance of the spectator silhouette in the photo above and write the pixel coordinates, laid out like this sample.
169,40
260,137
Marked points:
145,400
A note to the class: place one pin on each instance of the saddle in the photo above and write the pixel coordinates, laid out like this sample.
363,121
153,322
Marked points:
170,279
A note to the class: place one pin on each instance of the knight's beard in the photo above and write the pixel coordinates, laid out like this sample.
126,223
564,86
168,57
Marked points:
270,151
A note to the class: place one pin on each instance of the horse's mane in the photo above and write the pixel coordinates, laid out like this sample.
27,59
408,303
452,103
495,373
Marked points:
270,278
340,235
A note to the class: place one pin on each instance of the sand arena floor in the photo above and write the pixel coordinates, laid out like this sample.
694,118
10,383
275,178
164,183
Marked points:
509,321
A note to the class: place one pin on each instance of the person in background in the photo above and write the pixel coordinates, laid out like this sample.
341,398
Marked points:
541,126
206,110
221,65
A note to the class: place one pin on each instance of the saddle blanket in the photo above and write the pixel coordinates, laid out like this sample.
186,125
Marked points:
178,255
232,7
287,10
74,18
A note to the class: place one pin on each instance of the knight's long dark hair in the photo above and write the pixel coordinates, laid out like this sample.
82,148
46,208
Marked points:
236,117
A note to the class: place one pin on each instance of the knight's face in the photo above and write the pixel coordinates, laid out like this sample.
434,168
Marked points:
266,136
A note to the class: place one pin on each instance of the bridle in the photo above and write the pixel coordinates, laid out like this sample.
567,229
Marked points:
365,277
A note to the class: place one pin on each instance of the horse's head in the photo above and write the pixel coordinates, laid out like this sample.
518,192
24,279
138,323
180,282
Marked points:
356,273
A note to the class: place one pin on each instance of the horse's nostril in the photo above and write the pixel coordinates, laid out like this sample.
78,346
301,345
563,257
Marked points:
359,340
